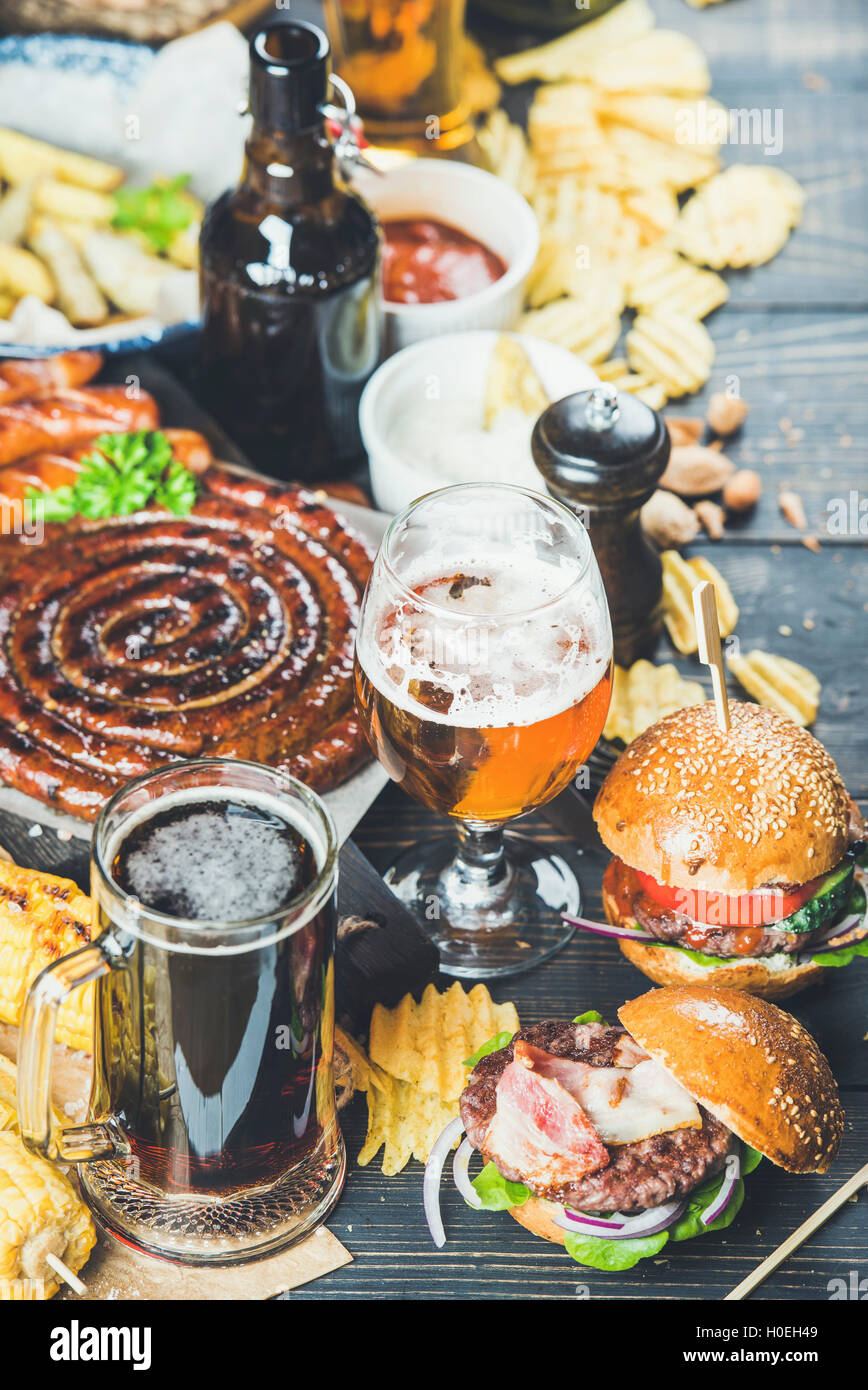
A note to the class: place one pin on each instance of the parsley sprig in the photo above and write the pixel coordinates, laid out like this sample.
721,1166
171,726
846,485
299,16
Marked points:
123,474
158,211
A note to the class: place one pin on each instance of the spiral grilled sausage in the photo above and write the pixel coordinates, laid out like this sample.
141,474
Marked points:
130,643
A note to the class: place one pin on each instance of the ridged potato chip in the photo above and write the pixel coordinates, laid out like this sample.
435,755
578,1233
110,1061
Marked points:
645,693
574,54
781,684
589,326
662,61
680,578
403,1119
617,371
667,118
360,1066
660,278
670,348
426,1043
513,383
741,217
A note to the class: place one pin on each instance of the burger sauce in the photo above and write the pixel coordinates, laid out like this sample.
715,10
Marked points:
427,262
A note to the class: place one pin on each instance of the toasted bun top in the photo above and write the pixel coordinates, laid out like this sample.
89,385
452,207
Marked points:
700,808
750,1064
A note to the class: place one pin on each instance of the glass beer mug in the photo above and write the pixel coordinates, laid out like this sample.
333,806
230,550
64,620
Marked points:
212,1133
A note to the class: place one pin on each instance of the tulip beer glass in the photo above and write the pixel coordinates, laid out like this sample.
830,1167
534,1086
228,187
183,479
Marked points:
212,1132
483,678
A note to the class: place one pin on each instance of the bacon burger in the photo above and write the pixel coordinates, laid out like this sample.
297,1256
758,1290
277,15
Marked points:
736,854
614,1140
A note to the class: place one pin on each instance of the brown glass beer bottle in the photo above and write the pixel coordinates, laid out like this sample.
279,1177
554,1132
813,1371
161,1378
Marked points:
290,265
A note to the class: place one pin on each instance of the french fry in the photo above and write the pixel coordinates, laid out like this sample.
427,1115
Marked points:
7,304
781,684
79,204
23,273
572,55
184,246
77,295
672,349
15,208
741,217
642,694
680,578
23,158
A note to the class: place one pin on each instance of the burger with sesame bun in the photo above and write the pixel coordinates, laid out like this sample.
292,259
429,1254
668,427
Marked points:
616,1139
737,854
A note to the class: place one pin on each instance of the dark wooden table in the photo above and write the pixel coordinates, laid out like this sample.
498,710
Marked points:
795,333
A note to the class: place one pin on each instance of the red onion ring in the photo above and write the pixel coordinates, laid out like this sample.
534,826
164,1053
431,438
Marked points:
431,1181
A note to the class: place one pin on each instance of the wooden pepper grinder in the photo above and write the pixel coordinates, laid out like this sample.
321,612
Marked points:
602,454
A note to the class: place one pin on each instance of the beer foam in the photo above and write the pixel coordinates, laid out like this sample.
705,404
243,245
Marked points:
215,866
520,643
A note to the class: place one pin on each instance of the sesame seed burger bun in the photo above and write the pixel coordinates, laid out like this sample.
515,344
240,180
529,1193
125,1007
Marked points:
754,1067
728,812
771,977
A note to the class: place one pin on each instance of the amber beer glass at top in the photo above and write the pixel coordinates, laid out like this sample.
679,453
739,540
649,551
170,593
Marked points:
483,675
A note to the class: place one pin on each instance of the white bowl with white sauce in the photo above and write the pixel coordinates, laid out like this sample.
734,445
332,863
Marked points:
422,416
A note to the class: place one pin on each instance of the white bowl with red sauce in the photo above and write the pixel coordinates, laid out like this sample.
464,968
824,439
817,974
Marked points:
472,223
422,416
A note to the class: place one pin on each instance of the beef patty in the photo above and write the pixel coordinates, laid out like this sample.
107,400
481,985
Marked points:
645,1174
677,930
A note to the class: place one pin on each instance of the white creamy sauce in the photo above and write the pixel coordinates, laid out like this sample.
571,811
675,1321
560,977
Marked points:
449,439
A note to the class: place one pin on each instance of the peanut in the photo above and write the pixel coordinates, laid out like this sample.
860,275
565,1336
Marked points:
726,414
743,490
693,470
793,509
668,521
712,517
686,430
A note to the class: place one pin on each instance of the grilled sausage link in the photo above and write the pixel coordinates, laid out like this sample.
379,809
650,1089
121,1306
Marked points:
42,376
60,421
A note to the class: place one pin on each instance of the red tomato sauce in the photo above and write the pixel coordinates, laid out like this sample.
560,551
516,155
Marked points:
428,262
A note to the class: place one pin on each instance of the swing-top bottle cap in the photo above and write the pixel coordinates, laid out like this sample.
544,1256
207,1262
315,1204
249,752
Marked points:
289,74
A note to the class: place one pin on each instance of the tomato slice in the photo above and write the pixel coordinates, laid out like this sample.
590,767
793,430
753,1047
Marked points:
758,909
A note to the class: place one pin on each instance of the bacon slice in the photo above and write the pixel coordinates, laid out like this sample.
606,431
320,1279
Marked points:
540,1131
624,1104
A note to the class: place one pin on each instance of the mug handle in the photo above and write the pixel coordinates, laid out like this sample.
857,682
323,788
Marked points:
39,1129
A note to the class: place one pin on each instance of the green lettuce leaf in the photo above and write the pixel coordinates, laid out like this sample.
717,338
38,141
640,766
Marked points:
495,1193
590,1017
492,1045
750,1159
843,956
613,1254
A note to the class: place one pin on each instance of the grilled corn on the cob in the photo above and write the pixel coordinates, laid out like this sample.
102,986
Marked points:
40,1211
40,1214
41,918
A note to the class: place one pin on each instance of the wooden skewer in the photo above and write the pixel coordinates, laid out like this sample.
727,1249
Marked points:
708,635
807,1228
66,1274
